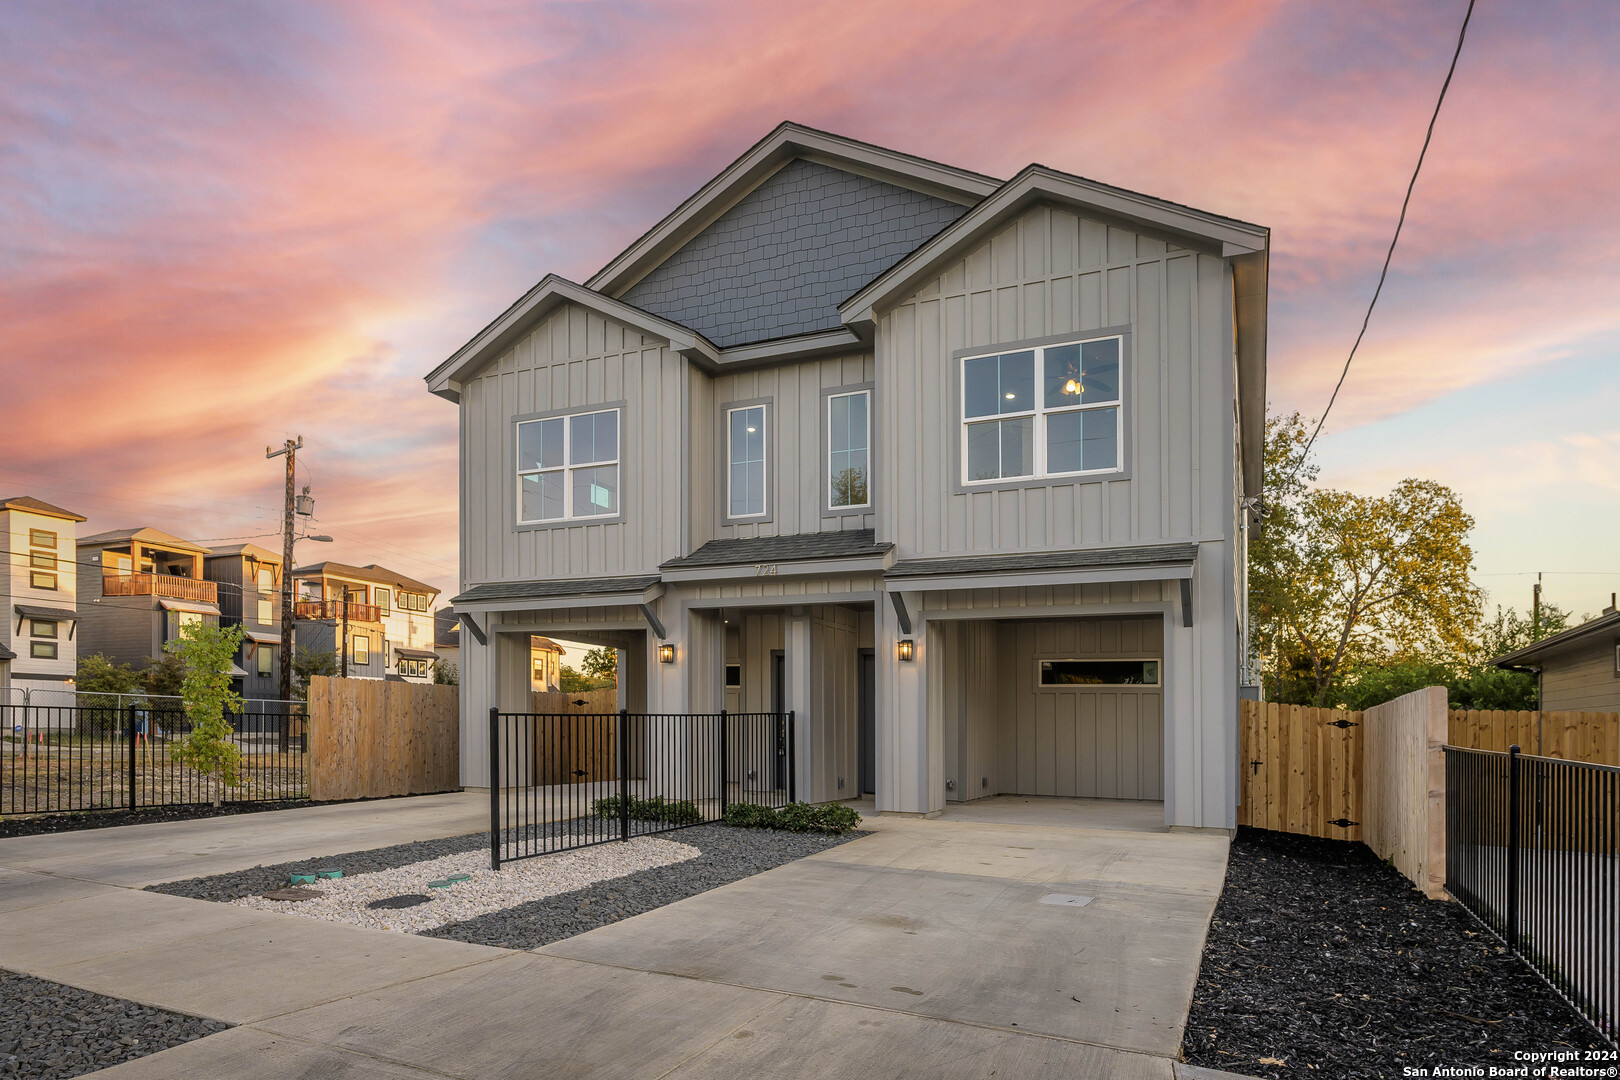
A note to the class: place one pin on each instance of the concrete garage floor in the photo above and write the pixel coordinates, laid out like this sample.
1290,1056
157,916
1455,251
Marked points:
921,951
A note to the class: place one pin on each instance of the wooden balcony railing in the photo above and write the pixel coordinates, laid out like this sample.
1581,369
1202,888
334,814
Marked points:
176,588
333,609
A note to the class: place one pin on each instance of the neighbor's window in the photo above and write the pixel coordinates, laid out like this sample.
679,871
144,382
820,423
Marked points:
42,650
380,598
39,579
267,660
44,560
41,538
849,433
413,667
1047,411
1099,673
568,467
178,619
360,651
267,578
44,628
745,478
266,613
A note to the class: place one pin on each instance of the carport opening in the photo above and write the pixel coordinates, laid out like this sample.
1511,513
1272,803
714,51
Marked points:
1060,707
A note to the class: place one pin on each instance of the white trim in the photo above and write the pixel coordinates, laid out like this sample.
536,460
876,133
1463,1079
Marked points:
867,449
1039,413
567,469
764,463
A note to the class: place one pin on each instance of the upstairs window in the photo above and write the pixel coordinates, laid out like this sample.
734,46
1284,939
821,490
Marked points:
568,467
360,649
42,538
1046,411
746,472
266,661
849,433
266,613
380,597
266,578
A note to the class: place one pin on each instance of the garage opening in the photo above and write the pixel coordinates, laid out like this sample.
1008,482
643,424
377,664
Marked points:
1064,707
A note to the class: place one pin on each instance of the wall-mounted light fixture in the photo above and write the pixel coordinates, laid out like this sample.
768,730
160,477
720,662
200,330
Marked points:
905,649
666,654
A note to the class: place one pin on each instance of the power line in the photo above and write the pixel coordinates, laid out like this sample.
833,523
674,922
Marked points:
1390,254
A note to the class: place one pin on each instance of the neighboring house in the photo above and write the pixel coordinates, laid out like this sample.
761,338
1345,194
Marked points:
545,664
137,588
387,617
958,469
1577,670
447,636
249,577
39,646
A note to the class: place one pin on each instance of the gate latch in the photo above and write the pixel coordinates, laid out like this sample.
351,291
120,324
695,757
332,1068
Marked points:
1255,766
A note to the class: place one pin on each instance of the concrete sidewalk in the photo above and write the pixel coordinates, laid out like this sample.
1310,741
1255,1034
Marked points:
921,951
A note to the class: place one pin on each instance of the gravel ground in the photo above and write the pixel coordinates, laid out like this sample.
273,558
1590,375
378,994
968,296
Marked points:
49,1031
1323,960
486,891
728,854
106,819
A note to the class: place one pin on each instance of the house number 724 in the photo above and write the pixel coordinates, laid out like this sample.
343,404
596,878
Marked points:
762,569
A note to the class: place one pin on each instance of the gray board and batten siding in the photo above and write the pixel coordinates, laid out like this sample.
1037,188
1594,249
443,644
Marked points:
779,262
1046,274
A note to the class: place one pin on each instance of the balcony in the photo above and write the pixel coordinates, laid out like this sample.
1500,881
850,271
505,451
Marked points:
169,585
333,609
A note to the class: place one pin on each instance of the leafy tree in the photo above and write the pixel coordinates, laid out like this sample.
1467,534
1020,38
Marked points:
104,686
1340,579
1510,631
602,663
309,663
164,677
445,673
208,653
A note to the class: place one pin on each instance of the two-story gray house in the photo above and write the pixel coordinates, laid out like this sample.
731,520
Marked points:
954,467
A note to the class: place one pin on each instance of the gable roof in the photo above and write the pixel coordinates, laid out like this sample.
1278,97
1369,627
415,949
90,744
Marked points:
777,263
146,535
38,506
551,293
252,551
785,143
369,572
1536,653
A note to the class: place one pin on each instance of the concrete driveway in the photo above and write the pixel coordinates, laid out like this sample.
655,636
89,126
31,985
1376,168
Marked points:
933,948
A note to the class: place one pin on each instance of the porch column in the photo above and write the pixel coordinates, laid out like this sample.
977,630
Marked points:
477,693
796,693
910,744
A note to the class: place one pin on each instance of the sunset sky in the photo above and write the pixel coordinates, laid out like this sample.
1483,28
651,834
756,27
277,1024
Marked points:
223,223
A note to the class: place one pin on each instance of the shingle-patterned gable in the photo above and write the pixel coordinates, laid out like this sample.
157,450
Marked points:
779,262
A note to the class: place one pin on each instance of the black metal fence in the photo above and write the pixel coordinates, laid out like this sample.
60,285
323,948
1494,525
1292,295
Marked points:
1533,850
568,780
71,758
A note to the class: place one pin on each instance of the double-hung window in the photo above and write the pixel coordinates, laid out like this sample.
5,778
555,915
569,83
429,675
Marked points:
1047,411
746,472
568,467
849,437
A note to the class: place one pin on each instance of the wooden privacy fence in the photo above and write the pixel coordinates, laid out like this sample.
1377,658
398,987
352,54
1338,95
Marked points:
369,738
1573,736
574,751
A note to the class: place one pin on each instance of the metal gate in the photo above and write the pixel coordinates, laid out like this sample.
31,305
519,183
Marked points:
569,780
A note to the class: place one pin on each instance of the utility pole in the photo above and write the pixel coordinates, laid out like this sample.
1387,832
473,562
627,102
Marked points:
1535,611
290,448
343,639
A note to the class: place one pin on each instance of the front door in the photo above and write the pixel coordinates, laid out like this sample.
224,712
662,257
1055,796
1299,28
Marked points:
866,721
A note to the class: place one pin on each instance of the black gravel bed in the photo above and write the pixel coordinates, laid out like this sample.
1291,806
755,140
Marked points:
1326,961
729,854
107,819
50,1031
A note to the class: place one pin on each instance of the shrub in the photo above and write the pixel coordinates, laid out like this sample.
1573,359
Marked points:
657,808
833,819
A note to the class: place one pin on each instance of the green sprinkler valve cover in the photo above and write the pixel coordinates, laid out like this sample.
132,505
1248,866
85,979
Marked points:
332,873
456,879
442,883
301,878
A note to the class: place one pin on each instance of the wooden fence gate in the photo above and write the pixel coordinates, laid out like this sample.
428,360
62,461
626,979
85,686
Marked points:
1301,770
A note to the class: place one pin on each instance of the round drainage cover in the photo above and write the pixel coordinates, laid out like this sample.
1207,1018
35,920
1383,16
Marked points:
404,900
291,894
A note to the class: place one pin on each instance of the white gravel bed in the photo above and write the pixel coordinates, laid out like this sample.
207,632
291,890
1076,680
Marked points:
345,899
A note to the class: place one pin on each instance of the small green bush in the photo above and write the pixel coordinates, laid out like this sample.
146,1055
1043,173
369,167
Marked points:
833,819
657,808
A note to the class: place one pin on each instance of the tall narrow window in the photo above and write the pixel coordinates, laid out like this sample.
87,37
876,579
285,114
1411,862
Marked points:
568,467
380,597
267,578
266,613
1048,411
267,660
361,650
849,432
745,483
